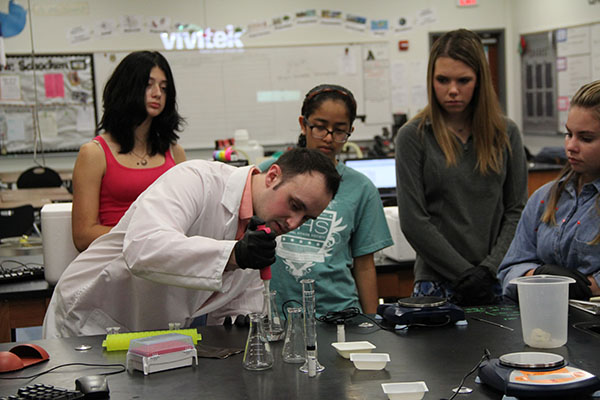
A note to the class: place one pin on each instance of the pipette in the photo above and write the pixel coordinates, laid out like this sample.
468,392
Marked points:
265,274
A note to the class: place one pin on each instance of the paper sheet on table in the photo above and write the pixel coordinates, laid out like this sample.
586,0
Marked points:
205,351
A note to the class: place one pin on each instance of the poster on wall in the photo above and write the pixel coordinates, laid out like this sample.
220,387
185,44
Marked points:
595,39
376,76
50,94
576,64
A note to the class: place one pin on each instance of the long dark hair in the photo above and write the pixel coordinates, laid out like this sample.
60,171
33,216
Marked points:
318,95
124,106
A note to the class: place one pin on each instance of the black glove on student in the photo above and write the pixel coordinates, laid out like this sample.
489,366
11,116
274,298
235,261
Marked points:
474,287
256,249
580,290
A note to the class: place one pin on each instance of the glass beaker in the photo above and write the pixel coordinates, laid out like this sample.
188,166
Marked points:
272,322
294,349
257,353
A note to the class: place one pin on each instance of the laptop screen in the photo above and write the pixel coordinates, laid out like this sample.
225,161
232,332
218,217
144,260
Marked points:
381,171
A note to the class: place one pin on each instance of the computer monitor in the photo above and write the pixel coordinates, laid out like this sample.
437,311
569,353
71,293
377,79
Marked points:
381,171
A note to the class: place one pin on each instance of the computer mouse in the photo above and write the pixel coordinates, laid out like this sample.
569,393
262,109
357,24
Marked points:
93,386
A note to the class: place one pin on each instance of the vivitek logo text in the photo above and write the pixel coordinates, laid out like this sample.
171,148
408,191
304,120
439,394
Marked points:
203,39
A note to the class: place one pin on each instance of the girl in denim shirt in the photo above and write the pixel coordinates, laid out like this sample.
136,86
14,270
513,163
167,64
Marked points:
559,231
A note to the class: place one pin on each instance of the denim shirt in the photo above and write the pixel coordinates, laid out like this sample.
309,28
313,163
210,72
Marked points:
565,244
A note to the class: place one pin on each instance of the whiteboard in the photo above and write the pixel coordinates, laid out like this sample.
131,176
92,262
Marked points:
219,92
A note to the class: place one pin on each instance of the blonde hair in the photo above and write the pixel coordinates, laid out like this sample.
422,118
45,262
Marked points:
487,122
588,97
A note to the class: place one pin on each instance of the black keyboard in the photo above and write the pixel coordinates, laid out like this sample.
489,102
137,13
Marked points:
19,274
40,391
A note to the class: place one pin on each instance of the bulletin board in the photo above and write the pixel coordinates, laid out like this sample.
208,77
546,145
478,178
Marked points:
61,92
262,89
554,65
577,63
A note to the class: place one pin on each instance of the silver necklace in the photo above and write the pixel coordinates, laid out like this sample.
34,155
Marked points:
143,160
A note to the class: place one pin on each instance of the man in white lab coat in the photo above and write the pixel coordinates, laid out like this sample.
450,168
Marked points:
183,248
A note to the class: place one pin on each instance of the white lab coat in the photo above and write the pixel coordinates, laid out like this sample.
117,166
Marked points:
163,262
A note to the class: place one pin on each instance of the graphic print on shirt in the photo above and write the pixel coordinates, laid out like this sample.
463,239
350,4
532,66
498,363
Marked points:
311,243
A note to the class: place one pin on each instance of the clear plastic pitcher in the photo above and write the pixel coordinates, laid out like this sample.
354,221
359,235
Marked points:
544,308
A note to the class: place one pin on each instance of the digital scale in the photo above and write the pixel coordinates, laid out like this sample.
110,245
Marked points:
529,375
426,310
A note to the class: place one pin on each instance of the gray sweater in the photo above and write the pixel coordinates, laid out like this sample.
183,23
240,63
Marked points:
455,218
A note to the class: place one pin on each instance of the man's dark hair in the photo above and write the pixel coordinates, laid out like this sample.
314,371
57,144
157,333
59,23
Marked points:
124,106
301,160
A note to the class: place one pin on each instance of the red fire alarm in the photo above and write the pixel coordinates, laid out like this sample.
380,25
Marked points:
403,45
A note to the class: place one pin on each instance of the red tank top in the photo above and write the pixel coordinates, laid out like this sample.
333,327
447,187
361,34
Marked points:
122,185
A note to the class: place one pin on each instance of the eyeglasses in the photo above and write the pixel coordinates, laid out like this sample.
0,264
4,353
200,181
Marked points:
320,132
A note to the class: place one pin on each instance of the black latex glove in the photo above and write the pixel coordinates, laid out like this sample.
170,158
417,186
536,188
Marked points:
242,321
579,290
474,287
256,249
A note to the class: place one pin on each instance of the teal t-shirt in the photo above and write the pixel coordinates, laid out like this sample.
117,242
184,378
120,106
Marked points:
352,225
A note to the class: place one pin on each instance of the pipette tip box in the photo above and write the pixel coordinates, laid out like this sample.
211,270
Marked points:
120,341
161,352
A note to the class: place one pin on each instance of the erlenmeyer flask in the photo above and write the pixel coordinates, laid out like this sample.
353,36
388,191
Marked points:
257,354
294,350
272,323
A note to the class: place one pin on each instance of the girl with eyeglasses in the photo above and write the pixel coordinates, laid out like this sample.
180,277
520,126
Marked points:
559,231
336,249
461,176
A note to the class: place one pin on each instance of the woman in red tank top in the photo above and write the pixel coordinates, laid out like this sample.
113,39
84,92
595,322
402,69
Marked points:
137,143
